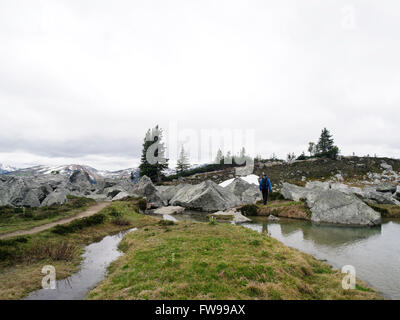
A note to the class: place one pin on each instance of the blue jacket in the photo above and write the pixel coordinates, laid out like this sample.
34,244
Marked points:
268,184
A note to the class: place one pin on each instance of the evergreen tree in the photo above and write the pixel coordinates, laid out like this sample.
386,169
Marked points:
219,159
302,156
153,160
325,146
290,157
228,158
325,143
183,162
311,148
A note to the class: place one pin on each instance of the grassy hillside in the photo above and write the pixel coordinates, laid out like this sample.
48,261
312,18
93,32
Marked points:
352,169
190,260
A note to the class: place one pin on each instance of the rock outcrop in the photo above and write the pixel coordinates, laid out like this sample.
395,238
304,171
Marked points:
121,195
145,188
273,218
397,193
168,192
237,217
46,190
293,192
238,186
206,196
248,193
169,210
333,206
56,197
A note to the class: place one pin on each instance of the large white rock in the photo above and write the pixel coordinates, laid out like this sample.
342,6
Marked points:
56,197
251,195
121,195
206,196
318,184
386,166
330,206
237,187
168,192
247,192
169,210
293,192
370,193
237,216
146,188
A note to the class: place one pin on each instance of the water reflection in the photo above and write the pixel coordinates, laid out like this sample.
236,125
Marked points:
327,235
374,252
96,259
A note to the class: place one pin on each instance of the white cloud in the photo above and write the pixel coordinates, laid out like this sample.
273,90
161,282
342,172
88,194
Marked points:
102,73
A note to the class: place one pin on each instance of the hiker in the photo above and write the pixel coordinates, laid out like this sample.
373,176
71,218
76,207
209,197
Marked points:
265,187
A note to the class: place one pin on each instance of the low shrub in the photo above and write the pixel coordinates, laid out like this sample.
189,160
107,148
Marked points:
79,224
63,250
120,221
115,213
249,210
166,223
13,242
78,202
275,196
142,204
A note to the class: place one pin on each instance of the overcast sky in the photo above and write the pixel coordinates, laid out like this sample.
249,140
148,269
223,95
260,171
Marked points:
81,81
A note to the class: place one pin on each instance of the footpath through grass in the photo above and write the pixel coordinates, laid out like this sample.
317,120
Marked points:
22,258
13,219
191,260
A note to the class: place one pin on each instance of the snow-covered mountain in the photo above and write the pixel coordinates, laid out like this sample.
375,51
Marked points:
6,169
68,170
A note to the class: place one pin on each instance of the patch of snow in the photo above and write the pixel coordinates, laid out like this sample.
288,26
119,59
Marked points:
7,168
251,178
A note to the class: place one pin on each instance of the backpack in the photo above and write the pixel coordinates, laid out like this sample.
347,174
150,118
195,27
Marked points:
264,182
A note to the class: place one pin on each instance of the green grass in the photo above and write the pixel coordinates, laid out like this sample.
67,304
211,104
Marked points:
386,210
217,261
22,258
12,219
285,209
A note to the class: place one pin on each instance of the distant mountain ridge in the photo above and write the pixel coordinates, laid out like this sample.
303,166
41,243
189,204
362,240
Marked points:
68,170
6,169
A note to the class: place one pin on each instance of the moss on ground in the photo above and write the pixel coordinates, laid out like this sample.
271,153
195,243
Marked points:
191,260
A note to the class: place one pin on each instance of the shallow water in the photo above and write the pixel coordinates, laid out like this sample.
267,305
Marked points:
96,259
374,252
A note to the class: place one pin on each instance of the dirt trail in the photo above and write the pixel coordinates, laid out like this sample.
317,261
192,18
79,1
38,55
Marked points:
89,212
